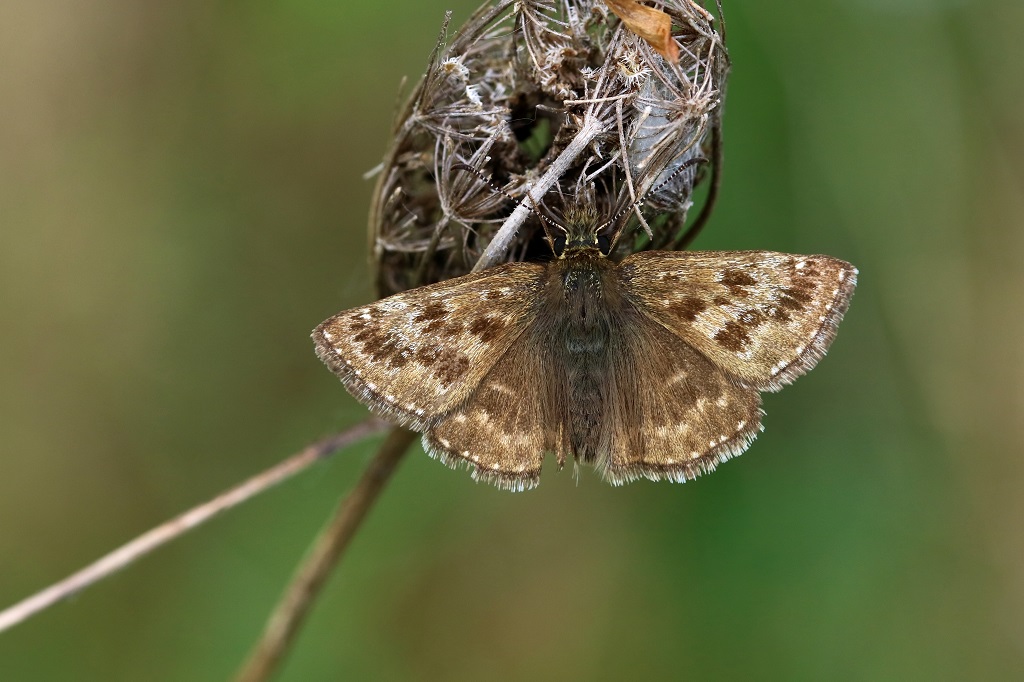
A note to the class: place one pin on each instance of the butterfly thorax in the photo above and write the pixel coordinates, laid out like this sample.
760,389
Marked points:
583,277
582,268
583,272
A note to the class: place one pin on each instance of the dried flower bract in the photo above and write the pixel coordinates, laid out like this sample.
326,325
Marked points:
555,98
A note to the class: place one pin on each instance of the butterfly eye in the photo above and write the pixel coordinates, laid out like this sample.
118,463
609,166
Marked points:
559,244
603,243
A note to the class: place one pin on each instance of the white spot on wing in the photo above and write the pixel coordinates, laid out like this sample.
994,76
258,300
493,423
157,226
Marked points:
502,388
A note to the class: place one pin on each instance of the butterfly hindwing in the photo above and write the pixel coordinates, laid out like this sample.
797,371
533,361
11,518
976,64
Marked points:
415,356
671,414
763,317
501,432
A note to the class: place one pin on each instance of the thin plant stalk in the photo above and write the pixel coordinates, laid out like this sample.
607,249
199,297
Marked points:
134,550
327,550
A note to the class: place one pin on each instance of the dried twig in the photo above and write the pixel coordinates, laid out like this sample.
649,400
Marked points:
164,533
499,245
309,579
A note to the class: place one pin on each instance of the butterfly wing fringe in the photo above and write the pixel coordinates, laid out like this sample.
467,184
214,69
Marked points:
362,390
819,344
685,471
511,481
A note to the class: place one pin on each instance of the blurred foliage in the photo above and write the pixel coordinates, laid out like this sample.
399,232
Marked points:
181,201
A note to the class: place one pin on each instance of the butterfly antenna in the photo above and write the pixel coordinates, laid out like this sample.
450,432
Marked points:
498,190
690,163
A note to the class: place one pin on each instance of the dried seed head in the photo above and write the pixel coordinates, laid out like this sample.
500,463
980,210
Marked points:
508,95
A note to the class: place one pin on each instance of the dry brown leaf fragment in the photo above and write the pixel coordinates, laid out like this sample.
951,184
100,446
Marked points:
651,24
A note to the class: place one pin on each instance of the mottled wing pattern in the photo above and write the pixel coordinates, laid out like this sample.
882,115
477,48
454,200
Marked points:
763,317
502,431
417,355
672,414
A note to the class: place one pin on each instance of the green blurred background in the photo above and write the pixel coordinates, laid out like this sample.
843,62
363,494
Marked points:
181,201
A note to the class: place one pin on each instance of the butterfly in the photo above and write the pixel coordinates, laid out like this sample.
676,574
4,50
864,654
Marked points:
651,367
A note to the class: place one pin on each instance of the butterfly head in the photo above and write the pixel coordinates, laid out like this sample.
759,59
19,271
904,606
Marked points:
580,233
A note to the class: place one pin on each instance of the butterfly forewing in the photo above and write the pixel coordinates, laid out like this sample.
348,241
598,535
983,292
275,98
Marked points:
763,317
416,356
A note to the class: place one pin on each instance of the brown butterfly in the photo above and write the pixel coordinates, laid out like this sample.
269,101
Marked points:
646,368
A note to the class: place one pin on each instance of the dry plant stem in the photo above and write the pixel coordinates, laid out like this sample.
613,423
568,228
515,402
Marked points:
309,579
161,535
498,247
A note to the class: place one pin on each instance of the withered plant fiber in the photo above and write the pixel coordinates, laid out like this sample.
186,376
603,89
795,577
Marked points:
553,97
